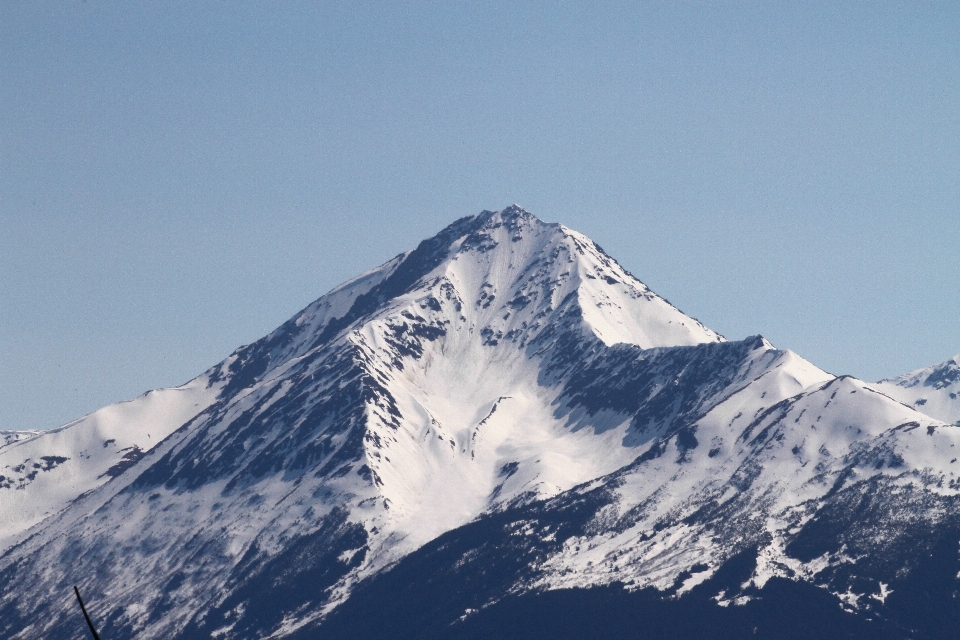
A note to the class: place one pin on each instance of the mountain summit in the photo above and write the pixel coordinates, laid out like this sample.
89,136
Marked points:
933,390
502,412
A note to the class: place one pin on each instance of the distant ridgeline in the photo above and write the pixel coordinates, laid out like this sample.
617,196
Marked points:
499,434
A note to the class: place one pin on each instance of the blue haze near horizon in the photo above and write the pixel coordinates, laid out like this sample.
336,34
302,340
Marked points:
178,179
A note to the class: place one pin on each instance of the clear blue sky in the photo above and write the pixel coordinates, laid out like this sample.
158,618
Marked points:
177,179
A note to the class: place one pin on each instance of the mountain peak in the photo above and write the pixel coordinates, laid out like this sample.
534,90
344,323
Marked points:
515,275
937,376
514,257
513,213
933,390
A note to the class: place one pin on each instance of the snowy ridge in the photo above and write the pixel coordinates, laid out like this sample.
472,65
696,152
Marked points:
933,390
505,371
41,472
776,467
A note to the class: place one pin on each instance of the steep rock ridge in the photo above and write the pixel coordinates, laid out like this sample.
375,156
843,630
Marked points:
500,411
933,390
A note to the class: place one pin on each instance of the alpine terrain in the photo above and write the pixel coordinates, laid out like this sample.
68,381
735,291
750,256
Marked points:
500,434
933,390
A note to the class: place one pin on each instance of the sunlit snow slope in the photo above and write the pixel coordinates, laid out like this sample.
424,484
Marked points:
934,390
41,472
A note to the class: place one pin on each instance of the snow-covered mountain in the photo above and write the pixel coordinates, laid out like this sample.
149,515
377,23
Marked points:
934,390
501,413
41,472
